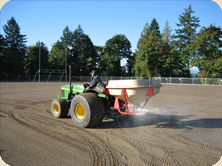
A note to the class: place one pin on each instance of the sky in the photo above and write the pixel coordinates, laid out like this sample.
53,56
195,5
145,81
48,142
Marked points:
45,20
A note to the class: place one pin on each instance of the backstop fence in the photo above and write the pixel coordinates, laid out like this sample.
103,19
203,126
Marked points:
59,78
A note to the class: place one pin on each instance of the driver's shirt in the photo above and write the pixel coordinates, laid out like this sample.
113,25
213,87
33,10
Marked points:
96,80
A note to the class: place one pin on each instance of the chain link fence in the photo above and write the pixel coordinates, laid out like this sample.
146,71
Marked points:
192,81
62,78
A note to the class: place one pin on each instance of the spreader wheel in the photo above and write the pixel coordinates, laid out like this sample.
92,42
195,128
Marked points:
87,110
59,108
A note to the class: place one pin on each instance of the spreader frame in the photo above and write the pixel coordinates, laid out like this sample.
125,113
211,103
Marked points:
129,111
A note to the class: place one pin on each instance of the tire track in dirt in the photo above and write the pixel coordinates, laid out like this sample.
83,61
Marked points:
196,152
144,148
76,143
24,153
22,104
175,149
149,158
115,157
4,112
191,143
99,150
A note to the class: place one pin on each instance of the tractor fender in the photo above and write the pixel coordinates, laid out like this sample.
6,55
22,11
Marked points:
97,90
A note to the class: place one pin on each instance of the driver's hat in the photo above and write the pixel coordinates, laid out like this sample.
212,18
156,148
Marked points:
93,72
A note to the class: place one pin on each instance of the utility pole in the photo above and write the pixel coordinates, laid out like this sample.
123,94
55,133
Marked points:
66,62
39,60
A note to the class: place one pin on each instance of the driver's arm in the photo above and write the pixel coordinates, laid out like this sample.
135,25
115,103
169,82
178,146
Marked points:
93,82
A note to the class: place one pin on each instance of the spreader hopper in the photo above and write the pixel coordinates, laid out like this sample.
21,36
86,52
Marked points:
134,91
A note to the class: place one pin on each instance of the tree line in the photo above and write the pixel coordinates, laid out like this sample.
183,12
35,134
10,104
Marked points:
158,53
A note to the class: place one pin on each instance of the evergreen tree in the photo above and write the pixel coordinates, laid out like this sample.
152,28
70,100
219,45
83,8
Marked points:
67,37
99,50
32,58
208,47
167,38
145,32
66,41
61,51
148,59
116,48
130,65
155,28
88,57
57,56
169,59
185,36
15,48
84,53
81,53
3,65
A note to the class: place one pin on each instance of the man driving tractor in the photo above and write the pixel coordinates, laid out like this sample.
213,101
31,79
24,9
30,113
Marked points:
96,80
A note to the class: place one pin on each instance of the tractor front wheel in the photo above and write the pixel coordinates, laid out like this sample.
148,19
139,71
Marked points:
59,108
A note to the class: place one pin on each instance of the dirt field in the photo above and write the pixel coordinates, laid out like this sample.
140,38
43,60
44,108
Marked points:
183,127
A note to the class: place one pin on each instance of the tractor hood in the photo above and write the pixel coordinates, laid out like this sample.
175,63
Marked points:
75,88
65,89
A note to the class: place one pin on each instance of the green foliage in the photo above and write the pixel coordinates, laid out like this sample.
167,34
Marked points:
148,58
170,60
166,36
61,51
3,64
81,53
84,53
208,47
185,36
15,48
156,54
32,58
99,50
57,56
130,65
116,48
155,28
67,37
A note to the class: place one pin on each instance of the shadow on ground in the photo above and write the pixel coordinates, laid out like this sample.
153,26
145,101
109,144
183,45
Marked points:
162,121
198,123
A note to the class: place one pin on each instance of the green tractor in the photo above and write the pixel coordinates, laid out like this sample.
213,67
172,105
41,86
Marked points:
116,98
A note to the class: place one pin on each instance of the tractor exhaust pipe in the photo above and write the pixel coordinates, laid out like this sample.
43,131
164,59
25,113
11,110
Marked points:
70,80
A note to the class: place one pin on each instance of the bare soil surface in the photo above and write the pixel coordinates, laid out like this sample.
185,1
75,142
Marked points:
183,127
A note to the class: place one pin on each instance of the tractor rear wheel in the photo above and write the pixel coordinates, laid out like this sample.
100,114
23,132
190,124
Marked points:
59,108
87,110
